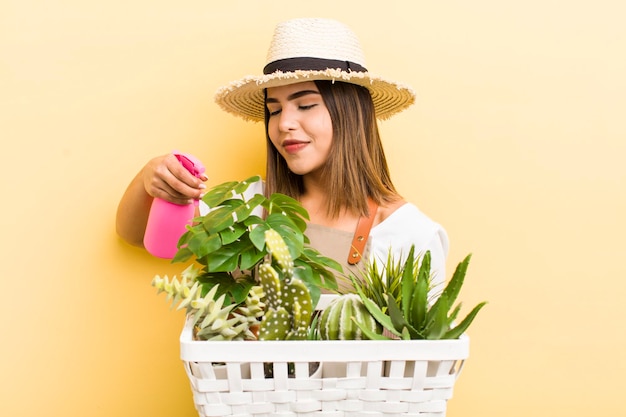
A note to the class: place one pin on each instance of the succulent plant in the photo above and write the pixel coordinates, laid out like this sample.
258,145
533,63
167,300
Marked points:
378,280
289,307
339,319
410,315
212,319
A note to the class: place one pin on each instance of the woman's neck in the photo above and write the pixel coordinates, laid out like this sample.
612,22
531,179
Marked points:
315,200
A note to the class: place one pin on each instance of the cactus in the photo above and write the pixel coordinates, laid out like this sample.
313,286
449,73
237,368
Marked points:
288,302
339,319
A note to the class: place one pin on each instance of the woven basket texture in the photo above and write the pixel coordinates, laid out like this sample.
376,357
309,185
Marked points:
322,378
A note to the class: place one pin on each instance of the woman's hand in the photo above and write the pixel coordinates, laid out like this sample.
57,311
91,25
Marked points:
165,177
162,177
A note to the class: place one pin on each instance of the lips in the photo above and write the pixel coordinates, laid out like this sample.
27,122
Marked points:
293,145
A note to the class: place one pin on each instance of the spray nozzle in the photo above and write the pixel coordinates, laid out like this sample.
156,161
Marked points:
190,163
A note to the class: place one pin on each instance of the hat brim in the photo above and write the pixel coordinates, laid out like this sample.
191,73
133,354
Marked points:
245,97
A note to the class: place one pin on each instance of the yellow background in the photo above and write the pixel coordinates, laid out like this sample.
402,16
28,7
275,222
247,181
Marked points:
516,145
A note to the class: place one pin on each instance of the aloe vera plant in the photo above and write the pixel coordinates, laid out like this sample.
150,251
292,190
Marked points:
409,315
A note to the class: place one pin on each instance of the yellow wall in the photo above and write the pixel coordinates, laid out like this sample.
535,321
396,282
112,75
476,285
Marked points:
516,145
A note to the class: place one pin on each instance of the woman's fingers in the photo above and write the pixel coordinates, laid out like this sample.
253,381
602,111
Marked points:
166,178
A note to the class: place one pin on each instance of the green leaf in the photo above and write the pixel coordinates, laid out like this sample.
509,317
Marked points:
280,221
312,256
236,291
242,186
217,194
419,304
454,314
253,221
424,270
228,190
438,326
453,288
304,272
240,290
250,255
257,236
320,269
222,261
288,207
219,219
398,321
458,330
227,258
244,211
406,334
182,255
202,244
232,233
395,314
371,335
451,292
377,313
408,280
283,203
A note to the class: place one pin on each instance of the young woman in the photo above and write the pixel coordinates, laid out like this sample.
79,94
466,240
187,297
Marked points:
320,106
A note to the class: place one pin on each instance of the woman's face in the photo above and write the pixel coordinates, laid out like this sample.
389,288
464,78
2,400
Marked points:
299,126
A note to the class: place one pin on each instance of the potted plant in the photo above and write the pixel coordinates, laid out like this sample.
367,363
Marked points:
255,283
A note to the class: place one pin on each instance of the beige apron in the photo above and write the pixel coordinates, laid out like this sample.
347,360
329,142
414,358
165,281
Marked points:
336,244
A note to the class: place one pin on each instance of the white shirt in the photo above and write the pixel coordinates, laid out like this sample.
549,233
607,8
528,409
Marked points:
409,226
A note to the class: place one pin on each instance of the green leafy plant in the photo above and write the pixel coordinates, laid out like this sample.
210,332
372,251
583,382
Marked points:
229,241
408,314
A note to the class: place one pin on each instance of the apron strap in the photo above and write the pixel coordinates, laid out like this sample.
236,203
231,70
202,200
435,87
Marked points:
361,233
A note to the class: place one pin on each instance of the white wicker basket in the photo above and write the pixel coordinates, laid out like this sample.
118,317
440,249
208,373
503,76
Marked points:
332,378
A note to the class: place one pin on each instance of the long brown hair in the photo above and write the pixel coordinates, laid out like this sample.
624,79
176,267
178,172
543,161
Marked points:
356,167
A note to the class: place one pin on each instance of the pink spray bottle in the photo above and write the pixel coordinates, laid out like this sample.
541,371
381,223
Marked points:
167,221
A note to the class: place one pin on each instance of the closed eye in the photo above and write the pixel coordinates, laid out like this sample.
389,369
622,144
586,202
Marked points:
271,101
302,108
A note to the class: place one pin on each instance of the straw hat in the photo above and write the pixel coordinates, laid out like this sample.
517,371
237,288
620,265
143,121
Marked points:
312,49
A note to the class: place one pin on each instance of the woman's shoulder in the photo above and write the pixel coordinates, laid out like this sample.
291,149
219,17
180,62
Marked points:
408,226
402,211
406,219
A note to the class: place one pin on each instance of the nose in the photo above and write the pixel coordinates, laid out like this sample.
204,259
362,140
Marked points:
287,120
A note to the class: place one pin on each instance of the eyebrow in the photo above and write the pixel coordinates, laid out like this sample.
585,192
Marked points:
293,96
